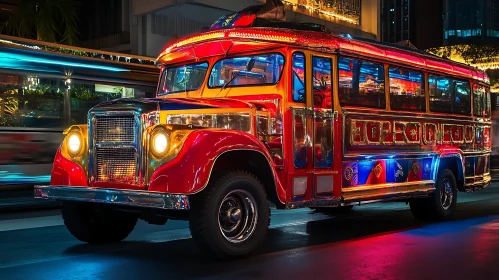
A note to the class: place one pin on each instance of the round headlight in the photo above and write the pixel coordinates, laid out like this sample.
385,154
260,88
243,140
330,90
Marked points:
74,143
159,143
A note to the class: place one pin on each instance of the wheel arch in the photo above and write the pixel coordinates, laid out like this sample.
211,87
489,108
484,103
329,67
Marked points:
455,163
256,163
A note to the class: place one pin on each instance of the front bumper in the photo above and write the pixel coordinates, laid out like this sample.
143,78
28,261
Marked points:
143,199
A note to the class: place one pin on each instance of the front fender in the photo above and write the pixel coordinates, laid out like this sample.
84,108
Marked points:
190,171
66,172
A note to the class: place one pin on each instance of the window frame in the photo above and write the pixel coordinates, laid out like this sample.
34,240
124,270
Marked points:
304,77
423,87
339,57
487,98
250,85
331,74
160,83
452,79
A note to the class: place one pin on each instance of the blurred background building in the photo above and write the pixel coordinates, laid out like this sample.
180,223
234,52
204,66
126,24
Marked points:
144,27
417,21
471,22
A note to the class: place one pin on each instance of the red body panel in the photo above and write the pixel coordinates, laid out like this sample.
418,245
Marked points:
67,173
190,171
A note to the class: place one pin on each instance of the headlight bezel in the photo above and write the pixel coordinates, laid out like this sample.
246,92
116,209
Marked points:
79,151
159,131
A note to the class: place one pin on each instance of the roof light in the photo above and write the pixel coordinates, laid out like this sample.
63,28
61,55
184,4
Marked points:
267,36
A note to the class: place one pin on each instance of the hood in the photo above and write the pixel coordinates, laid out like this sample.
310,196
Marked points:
145,105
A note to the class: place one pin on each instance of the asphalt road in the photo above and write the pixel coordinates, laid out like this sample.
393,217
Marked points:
378,241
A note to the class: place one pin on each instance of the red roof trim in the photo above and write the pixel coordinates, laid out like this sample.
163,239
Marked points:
313,39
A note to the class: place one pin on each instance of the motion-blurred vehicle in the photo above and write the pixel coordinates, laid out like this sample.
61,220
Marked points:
46,87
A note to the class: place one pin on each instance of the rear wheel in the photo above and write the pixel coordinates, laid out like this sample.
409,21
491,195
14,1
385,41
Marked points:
97,224
230,218
442,204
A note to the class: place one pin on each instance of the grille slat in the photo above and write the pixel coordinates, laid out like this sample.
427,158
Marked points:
115,129
116,163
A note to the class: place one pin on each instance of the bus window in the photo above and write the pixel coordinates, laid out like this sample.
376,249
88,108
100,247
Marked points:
298,81
462,98
361,83
446,91
322,82
263,69
87,94
481,101
183,78
30,101
406,90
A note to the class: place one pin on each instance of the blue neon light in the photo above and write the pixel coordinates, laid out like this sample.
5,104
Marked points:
34,59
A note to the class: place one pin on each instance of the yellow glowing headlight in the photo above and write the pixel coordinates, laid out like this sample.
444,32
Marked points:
160,142
74,143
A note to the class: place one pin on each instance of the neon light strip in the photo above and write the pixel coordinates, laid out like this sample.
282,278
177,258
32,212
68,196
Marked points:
34,59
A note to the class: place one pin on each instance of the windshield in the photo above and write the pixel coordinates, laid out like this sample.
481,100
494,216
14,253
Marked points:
182,78
263,69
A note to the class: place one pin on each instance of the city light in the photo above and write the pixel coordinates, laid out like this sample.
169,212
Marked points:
315,7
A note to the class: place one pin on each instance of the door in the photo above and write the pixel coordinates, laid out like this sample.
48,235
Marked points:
313,124
322,119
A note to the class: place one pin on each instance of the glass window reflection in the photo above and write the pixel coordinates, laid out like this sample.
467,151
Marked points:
362,83
264,69
183,78
406,90
298,80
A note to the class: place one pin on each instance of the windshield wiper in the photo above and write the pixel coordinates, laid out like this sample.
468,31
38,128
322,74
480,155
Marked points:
228,83
249,67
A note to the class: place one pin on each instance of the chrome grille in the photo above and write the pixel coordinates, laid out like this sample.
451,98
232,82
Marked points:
115,151
116,165
117,129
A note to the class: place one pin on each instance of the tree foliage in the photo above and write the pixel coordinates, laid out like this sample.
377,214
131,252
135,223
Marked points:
470,53
45,20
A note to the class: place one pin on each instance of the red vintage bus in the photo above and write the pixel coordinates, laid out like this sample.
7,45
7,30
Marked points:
285,112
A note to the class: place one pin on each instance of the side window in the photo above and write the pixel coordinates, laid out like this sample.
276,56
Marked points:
321,76
362,83
462,98
298,80
481,101
406,90
440,94
449,96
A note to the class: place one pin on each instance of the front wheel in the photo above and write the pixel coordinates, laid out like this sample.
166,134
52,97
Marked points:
230,218
441,205
97,224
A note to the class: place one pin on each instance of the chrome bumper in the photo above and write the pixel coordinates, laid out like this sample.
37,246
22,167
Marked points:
118,197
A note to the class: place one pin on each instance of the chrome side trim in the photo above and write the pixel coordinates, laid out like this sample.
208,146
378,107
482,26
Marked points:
134,198
374,192
314,203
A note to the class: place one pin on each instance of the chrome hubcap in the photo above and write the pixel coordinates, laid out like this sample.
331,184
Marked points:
237,216
446,194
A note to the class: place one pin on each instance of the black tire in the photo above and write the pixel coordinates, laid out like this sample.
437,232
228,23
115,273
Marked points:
333,210
441,205
214,213
97,224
